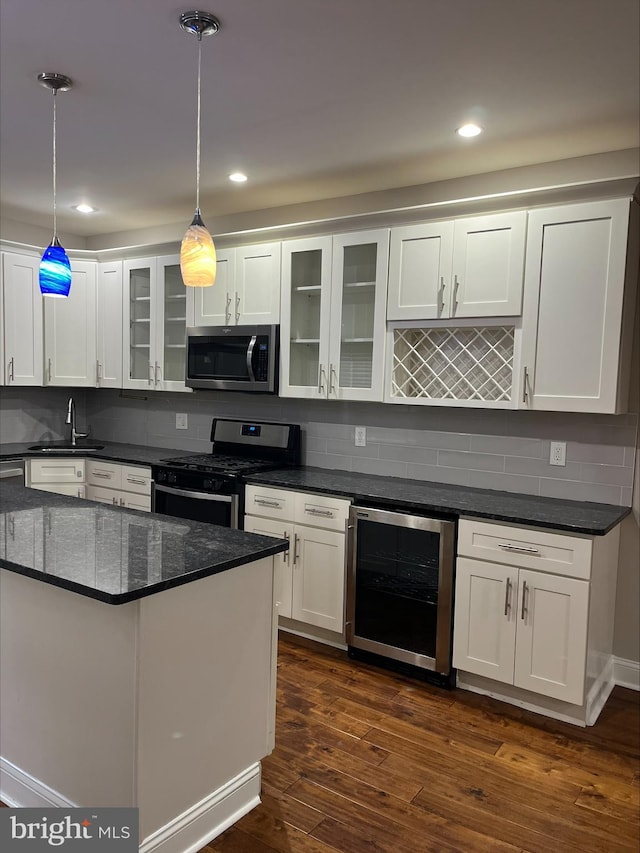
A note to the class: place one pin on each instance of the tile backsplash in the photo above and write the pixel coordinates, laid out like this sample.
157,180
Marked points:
493,449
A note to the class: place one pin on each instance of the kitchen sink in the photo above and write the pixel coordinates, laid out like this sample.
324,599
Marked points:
65,447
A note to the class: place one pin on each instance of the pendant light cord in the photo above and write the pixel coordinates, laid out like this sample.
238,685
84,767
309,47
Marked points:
55,226
198,131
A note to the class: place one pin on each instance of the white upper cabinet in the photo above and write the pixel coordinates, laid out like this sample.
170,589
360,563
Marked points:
109,325
246,290
154,323
70,331
21,320
333,316
580,283
469,267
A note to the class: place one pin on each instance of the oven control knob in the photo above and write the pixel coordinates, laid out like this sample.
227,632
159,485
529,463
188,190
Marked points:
207,484
171,478
161,476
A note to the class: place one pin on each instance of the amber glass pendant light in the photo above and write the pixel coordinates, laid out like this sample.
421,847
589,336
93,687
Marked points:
55,270
197,252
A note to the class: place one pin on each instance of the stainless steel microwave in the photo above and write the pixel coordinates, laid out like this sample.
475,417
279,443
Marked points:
233,358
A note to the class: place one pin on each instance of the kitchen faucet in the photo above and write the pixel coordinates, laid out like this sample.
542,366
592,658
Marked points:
71,419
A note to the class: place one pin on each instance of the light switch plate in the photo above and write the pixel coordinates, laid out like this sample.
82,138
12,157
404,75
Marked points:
182,421
360,436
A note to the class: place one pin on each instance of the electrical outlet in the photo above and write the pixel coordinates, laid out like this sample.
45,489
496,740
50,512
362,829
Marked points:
361,436
182,421
558,453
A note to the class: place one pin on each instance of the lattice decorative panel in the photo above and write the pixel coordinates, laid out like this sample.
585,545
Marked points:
453,364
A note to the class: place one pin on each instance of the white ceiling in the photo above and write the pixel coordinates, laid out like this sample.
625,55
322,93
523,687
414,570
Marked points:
313,99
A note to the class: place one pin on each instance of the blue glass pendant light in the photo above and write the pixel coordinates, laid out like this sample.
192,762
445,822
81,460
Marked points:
55,269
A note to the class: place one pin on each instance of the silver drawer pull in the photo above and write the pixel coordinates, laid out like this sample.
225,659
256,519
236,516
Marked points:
520,549
137,481
507,596
102,474
326,513
264,502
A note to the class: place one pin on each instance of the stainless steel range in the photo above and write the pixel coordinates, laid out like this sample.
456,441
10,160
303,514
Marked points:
210,486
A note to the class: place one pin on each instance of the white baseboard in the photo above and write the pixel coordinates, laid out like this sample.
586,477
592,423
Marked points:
204,821
626,673
20,790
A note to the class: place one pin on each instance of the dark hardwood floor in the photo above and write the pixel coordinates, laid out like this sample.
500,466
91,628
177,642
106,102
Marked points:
371,762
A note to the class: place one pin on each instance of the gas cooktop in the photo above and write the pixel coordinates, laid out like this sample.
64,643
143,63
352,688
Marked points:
211,463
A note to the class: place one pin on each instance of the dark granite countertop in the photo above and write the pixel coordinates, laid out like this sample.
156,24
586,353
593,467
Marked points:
132,454
111,554
415,495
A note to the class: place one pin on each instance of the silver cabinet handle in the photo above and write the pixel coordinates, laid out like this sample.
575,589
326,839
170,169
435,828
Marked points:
524,610
156,370
103,474
285,554
456,285
114,501
519,549
321,379
440,307
265,502
296,539
525,379
332,375
507,596
10,367
80,489
49,370
98,373
121,501
150,374
327,513
137,481
237,307
227,312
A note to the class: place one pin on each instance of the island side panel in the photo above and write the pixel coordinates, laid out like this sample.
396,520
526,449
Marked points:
205,694
67,700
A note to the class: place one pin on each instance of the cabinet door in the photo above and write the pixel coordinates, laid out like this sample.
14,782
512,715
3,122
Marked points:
102,495
22,320
357,323
420,271
109,325
70,331
138,343
131,501
212,306
257,295
68,470
318,578
485,619
572,321
488,265
551,644
169,315
283,578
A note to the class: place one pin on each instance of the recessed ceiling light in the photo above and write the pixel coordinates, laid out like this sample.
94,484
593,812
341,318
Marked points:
469,130
238,177
84,208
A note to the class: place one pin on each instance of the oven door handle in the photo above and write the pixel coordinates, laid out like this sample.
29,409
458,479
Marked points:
252,344
202,496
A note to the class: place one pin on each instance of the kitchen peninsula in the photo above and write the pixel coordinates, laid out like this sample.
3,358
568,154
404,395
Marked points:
138,664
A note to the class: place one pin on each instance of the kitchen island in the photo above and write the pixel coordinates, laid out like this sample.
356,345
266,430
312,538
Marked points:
138,664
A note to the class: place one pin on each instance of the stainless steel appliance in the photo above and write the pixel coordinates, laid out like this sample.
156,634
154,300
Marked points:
400,589
12,471
233,358
210,487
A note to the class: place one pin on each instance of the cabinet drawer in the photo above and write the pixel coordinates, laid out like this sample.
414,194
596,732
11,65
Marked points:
270,503
101,473
102,495
136,479
56,471
321,511
69,489
526,547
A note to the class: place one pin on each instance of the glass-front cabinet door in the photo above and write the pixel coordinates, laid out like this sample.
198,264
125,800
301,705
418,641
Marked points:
334,292
305,313
154,340
358,306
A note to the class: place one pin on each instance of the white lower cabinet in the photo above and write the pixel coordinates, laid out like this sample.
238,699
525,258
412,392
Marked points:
64,476
310,577
534,609
119,485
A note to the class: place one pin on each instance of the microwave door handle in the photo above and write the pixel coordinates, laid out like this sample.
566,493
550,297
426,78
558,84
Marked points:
252,344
